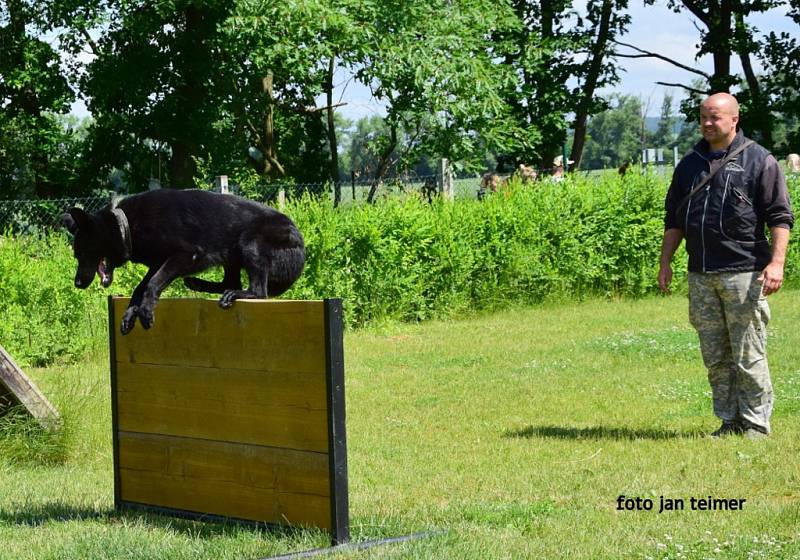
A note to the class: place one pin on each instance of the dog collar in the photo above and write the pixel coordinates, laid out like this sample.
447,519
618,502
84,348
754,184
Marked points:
125,231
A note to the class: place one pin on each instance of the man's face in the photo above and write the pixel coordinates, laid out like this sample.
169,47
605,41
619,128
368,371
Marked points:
717,124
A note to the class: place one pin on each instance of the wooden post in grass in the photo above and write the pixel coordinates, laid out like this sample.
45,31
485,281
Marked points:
235,413
221,184
445,179
17,390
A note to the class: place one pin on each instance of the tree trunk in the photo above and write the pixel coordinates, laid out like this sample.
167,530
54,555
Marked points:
334,162
182,166
717,20
383,164
761,118
190,94
596,66
268,147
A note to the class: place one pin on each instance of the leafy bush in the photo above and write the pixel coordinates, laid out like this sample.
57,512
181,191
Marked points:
403,259
408,260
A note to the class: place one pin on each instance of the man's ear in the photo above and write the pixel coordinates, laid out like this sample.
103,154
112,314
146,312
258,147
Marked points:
75,219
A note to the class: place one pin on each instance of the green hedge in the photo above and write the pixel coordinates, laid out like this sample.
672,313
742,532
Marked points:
402,259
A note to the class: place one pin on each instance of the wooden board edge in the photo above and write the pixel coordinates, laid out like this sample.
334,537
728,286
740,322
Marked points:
25,393
337,436
112,355
204,517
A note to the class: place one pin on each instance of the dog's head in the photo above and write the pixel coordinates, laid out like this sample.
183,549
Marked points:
91,246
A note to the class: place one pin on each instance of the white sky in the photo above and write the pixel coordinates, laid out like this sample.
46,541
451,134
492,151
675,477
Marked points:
653,28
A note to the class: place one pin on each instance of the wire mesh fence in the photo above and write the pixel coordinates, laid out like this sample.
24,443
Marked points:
36,215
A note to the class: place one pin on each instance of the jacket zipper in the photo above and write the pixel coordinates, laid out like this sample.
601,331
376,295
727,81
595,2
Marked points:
703,219
703,225
722,205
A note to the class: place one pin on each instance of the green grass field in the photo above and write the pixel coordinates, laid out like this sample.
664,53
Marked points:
508,435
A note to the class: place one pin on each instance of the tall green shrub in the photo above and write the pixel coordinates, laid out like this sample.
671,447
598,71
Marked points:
403,259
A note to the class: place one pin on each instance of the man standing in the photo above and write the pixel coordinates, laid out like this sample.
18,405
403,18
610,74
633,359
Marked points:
732,267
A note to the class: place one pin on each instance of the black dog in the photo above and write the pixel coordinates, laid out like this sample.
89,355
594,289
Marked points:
181,232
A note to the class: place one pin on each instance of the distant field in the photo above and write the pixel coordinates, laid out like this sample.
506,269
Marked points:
507,435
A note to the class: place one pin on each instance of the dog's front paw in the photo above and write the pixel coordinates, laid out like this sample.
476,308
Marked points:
129,320
146,317
227,299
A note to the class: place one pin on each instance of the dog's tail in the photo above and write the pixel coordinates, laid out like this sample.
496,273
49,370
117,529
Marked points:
286,265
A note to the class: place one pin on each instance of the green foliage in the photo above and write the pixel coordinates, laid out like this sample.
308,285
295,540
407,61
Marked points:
42,316
408,260
615,136
403,260
37,149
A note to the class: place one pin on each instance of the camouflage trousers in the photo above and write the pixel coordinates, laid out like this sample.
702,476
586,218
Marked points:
730,315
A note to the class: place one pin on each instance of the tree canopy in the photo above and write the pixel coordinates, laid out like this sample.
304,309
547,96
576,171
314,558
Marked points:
180,90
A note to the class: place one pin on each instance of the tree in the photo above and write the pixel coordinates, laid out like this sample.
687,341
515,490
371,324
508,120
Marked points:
607,20
430,62
726,33
230,84
37,150
665,134
781,58
539,52
614,136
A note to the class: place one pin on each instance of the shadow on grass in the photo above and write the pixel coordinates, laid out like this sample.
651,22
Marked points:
596,432
54,512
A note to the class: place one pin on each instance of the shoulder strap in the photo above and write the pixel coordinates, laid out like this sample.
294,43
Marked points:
708,177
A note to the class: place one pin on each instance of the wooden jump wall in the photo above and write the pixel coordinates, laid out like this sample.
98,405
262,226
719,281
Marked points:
234,413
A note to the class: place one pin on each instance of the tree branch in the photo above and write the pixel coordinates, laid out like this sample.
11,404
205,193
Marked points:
89,41
694,7
687,88
648,54
318,109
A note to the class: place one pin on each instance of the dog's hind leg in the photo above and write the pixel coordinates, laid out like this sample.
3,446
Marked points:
257,273
232,280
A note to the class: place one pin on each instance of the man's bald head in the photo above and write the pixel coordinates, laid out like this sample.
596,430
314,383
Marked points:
719,115
724,102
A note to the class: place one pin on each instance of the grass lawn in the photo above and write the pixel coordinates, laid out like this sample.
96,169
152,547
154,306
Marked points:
508,435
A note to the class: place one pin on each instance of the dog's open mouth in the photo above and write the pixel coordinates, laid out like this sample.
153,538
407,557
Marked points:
105,273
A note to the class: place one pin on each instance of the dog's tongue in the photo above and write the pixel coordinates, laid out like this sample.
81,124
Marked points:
103,273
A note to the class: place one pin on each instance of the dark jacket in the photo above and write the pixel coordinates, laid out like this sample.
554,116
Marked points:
724,222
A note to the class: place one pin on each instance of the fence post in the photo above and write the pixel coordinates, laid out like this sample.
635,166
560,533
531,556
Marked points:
353,183
221,184
281,199
444,178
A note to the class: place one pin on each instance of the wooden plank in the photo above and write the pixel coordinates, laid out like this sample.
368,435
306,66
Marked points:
337,437
254,334
17,389
221,478
278,409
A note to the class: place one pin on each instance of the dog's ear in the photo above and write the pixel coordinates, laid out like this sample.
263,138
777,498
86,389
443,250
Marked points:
75,219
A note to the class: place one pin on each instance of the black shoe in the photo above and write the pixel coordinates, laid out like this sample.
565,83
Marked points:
727,429
754,433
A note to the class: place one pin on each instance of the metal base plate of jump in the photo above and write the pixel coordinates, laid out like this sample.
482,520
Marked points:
235,414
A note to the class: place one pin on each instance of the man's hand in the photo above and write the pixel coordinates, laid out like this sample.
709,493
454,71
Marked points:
771,278
665,278
672,239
